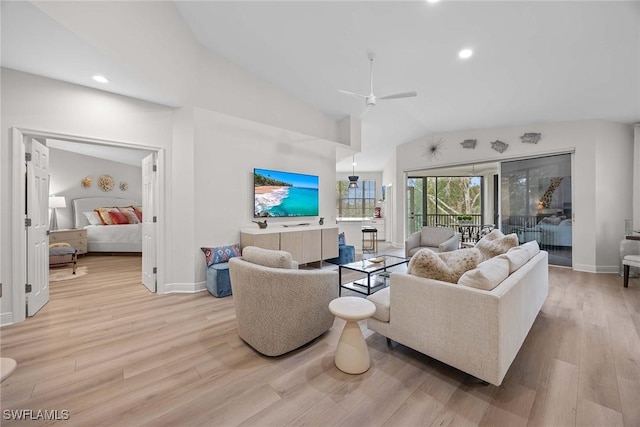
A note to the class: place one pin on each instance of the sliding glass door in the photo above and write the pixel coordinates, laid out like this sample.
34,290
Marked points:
536,200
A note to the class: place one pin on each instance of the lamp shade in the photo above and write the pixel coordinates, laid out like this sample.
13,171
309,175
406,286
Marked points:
57,202
353,181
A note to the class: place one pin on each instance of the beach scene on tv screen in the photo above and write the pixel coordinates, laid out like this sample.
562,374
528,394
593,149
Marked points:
284,194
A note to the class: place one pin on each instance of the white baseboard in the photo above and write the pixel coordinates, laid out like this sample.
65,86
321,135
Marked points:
605,269
184,288
6,319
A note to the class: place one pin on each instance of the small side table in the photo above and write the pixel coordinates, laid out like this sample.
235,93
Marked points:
352,353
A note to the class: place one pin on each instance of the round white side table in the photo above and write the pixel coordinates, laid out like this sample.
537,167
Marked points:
352,353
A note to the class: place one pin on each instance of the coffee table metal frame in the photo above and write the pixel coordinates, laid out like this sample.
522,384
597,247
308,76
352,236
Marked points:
372,270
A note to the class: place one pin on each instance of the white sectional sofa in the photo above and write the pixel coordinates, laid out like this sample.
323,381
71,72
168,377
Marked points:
477,331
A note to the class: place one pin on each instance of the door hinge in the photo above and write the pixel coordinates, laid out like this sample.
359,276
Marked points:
0,290
48,232
155,218
27,157
27,222
27,287
155,270
155,168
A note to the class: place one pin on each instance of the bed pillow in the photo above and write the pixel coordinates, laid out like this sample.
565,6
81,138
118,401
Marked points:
103,213
138,211
219,254
118,218
131,217
445,266
93,218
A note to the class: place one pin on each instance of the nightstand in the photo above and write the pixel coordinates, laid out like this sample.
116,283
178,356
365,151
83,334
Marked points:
77,238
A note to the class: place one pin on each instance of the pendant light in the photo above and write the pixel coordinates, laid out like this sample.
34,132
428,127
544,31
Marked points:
353,179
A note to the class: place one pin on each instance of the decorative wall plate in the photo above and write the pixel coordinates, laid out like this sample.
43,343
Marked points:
433,149
499,146
124,186
469,143
531,138
86,182
106,183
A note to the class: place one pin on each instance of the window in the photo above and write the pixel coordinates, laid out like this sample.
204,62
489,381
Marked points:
355,202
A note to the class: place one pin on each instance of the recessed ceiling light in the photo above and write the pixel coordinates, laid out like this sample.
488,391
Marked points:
465,53
433,1
100,79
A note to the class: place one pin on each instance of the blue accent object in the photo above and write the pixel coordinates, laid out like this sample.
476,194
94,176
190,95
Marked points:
341,239
346,254
218,280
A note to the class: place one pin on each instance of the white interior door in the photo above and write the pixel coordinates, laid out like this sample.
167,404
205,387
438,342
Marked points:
149,263
38,230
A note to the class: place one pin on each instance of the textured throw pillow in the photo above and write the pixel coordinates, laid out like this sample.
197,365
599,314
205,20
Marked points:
132,217
267,257
220,254
93,218
103,213
118,218
496,243
487,275
446,266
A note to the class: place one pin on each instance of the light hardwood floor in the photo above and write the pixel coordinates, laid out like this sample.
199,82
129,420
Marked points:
111,353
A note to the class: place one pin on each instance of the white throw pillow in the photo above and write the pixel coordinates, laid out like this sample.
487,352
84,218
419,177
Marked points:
487,275
93,218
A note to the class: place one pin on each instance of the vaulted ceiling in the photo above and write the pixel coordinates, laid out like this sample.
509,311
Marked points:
532,62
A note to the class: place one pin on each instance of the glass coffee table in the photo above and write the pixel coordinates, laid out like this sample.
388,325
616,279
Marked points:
375,269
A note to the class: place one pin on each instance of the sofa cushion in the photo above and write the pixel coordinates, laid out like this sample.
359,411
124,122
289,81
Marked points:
531,247
496,243
517,257
267,257
382,301
433,236
446,266
487,275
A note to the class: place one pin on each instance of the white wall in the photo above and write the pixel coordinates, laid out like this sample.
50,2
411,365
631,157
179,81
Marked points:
68,169
602,177
226,151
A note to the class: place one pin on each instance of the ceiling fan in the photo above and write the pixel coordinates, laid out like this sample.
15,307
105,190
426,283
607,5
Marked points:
371,99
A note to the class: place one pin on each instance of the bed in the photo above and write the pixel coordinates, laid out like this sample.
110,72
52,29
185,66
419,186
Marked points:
551,231
107,238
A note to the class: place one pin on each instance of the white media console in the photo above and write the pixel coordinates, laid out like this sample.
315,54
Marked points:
305,243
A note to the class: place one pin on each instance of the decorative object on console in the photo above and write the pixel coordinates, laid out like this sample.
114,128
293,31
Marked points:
531,138
499,146
106,182
124,186
469,143
261,224
321,222
54,203
433,149
86,182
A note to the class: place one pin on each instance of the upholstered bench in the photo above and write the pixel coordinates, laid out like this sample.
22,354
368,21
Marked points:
63,254
217,258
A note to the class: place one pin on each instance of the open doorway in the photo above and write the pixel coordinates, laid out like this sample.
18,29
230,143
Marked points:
24,260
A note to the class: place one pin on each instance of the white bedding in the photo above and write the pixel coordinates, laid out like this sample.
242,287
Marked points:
114,238
107,238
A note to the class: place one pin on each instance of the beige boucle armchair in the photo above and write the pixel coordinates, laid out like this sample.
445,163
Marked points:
278,307
438,239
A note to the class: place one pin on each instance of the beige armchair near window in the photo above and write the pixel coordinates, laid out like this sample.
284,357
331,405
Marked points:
438,239
279,308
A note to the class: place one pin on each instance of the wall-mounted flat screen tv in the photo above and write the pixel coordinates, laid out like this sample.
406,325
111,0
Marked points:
283,194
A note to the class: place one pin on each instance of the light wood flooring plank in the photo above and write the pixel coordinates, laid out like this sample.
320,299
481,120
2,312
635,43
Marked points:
114,354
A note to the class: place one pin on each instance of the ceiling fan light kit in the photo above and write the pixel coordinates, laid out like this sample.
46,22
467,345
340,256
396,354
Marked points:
371,100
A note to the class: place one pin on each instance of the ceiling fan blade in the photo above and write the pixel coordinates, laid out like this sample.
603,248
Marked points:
364,112
346,92
400,95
